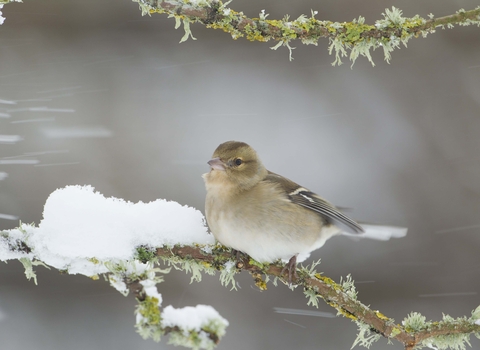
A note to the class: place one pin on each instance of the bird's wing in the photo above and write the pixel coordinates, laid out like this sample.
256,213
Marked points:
306,198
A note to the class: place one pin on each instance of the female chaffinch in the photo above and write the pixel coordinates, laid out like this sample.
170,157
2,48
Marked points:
268,216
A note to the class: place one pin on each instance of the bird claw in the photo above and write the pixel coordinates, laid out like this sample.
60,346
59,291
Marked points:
291,269
238,256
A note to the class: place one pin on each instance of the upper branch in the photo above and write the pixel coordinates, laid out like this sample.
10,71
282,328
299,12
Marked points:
352,39
355,36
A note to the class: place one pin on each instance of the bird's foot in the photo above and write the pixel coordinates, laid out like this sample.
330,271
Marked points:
291,269
238,256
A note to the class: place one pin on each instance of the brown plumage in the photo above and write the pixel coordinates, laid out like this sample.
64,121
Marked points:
263,214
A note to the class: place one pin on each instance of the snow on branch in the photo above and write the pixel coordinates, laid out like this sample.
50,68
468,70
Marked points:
356,37
82,232
3,2
134,245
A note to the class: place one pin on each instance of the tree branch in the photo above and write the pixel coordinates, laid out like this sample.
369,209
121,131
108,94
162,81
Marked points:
352,39
340,296
140,276
356,36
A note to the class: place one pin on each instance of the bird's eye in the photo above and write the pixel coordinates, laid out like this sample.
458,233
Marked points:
238,161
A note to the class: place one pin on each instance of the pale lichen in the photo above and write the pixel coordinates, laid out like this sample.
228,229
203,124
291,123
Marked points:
309,271
355,36
365,337
227,275
28,266
414,322
188,32
125,272
454,341
190,266
312,296
448,341
475,315
348,287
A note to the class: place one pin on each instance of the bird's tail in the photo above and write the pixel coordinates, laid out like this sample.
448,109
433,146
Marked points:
379,232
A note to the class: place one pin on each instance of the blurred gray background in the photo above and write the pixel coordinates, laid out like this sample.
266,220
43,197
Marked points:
109,98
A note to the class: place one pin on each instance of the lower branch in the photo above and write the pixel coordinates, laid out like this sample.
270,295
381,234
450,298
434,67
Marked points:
140,275
414,332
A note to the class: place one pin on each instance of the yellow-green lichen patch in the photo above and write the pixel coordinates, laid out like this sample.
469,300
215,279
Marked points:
286,29
257,264
94,261
329,282
344,312
156,10
396,330
228,22
206,264
353,31
150,311
381,316
259,282
253,34
149,319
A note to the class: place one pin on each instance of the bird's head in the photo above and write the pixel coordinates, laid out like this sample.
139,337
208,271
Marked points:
237,164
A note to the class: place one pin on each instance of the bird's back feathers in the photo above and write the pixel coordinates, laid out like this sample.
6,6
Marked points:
306,198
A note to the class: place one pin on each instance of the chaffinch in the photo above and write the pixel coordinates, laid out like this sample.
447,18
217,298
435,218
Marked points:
268,216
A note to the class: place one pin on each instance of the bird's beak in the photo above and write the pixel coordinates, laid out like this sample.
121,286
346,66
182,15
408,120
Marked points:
217,164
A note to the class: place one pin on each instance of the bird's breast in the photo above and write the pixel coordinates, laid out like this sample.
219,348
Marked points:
264,225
